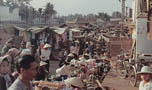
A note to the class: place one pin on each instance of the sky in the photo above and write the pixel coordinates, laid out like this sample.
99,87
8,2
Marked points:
66,7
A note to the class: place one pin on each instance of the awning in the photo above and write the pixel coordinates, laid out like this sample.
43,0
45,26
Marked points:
75,30
37,29
60,30
19,28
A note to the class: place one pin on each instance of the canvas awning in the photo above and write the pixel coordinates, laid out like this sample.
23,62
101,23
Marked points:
19,28
75,30
60,30
37,29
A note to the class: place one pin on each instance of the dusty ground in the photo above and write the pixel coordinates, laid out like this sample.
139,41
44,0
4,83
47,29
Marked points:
115,81
112,80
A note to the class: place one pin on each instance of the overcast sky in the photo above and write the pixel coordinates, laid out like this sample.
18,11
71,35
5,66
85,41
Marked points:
66,7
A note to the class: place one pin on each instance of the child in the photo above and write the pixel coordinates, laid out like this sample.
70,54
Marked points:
146,75
5,73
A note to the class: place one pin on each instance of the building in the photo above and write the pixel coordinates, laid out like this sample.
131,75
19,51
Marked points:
9,14
115,21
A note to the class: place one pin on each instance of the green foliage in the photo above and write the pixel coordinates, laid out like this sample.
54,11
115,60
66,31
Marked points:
104,16
49,11
116,14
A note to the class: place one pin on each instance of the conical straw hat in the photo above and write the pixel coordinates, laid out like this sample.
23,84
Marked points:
75,81
70,55
43,63
47,46
64,70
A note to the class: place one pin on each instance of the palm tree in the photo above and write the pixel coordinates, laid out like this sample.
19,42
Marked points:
49,12
40,13
24,13
34,14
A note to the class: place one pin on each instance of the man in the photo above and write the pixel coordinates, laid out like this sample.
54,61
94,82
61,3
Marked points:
27,68
7,46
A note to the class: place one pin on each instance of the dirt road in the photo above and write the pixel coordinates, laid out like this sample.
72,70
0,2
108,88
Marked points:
115,81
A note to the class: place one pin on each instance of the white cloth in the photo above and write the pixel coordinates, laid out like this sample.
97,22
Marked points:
147,86
45,54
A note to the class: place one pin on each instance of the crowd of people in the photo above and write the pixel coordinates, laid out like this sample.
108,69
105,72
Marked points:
20,66
83,66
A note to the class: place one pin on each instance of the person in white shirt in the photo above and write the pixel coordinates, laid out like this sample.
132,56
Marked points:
146,75
45,55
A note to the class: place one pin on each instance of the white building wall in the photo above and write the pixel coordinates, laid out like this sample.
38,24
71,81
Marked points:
6,15
134,10
143,45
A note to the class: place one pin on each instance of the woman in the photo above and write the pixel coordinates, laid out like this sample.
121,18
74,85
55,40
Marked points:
5,78
146,75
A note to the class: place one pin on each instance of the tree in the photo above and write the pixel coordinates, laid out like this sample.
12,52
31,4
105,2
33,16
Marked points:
49,12
104,16
24,13
24,2
116,14
33,15
40,14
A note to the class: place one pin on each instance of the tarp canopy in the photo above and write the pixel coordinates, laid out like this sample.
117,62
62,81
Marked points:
75,30
37,29
19,28
60,30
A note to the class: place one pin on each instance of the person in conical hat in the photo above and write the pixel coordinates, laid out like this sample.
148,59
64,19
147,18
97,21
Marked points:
45,55
146,75
41,73
74,82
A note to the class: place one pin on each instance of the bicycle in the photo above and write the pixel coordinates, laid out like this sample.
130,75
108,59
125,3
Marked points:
122,67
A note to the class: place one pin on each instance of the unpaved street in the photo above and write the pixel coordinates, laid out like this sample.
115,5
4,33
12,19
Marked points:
113,80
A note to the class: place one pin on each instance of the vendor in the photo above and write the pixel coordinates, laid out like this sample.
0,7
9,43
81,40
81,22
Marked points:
45,55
